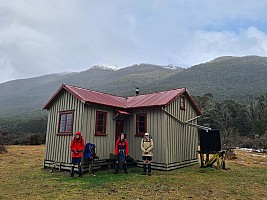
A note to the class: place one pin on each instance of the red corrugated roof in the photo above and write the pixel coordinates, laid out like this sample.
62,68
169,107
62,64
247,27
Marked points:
90,96
146,100
154,99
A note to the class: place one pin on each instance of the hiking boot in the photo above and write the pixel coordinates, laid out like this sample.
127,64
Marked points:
80,172
125,168
116,168
72,172
144,169
149,169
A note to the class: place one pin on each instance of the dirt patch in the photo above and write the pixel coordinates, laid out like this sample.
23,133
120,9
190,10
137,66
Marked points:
250,158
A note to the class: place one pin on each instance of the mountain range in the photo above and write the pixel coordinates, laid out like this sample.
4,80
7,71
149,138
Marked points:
237,78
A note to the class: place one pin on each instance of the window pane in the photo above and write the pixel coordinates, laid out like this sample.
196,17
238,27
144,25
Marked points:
62,123
182,103
141,129
69,116
100,129
100,116
68,123
63,117
141,123
141,118
68,129
100,123
61,129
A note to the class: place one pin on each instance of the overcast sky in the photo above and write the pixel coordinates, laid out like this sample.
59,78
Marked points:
40,37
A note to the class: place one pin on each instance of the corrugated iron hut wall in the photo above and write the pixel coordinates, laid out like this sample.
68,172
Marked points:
155,125
182,140
58,146
104,144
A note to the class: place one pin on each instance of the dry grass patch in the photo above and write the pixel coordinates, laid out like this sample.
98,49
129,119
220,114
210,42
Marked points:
255,159
22,177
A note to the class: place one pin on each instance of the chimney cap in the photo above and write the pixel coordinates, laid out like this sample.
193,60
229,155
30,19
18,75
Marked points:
136,91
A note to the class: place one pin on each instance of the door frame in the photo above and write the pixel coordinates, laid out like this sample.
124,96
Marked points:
119,128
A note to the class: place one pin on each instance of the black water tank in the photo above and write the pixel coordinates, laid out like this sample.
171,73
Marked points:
210,141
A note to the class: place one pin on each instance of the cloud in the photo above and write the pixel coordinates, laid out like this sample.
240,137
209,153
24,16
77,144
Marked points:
40,37
208,45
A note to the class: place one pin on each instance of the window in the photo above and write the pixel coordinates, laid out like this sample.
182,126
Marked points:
182,103
140,124
65,124
101,121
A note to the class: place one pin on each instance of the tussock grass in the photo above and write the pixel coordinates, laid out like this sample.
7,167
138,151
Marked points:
22,177
2,149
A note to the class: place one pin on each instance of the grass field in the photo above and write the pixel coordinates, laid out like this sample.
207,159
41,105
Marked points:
22,177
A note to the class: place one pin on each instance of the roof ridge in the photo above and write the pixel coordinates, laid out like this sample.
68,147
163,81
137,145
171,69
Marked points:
159,92
92,90
125,98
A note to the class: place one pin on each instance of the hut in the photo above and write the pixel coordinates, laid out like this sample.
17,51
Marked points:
170,116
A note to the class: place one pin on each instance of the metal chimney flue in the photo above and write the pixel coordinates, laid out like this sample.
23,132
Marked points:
136,91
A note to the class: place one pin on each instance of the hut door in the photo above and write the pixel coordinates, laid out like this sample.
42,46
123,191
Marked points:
119,128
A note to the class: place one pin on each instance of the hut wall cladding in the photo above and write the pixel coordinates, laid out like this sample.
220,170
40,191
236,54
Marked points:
155,126
182,139
58,146
104,144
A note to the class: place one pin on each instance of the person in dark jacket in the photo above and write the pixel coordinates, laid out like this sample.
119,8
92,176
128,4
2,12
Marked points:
121,153
76,146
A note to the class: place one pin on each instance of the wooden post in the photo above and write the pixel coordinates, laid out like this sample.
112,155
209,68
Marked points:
207,157
201,160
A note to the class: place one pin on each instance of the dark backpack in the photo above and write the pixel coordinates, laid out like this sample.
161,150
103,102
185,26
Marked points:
90,152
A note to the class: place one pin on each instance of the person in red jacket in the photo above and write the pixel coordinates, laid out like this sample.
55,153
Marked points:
121,153
76,146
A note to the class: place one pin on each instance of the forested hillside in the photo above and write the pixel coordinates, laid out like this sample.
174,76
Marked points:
243,125
233,78
29,95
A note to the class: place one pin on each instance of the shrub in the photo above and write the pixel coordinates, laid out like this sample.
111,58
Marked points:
35,139
3,149
22,139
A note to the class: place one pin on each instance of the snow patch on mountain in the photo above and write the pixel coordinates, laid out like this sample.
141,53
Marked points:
170,67
106,67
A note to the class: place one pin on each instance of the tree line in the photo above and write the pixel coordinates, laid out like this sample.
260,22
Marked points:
23,130
243,125
240,124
